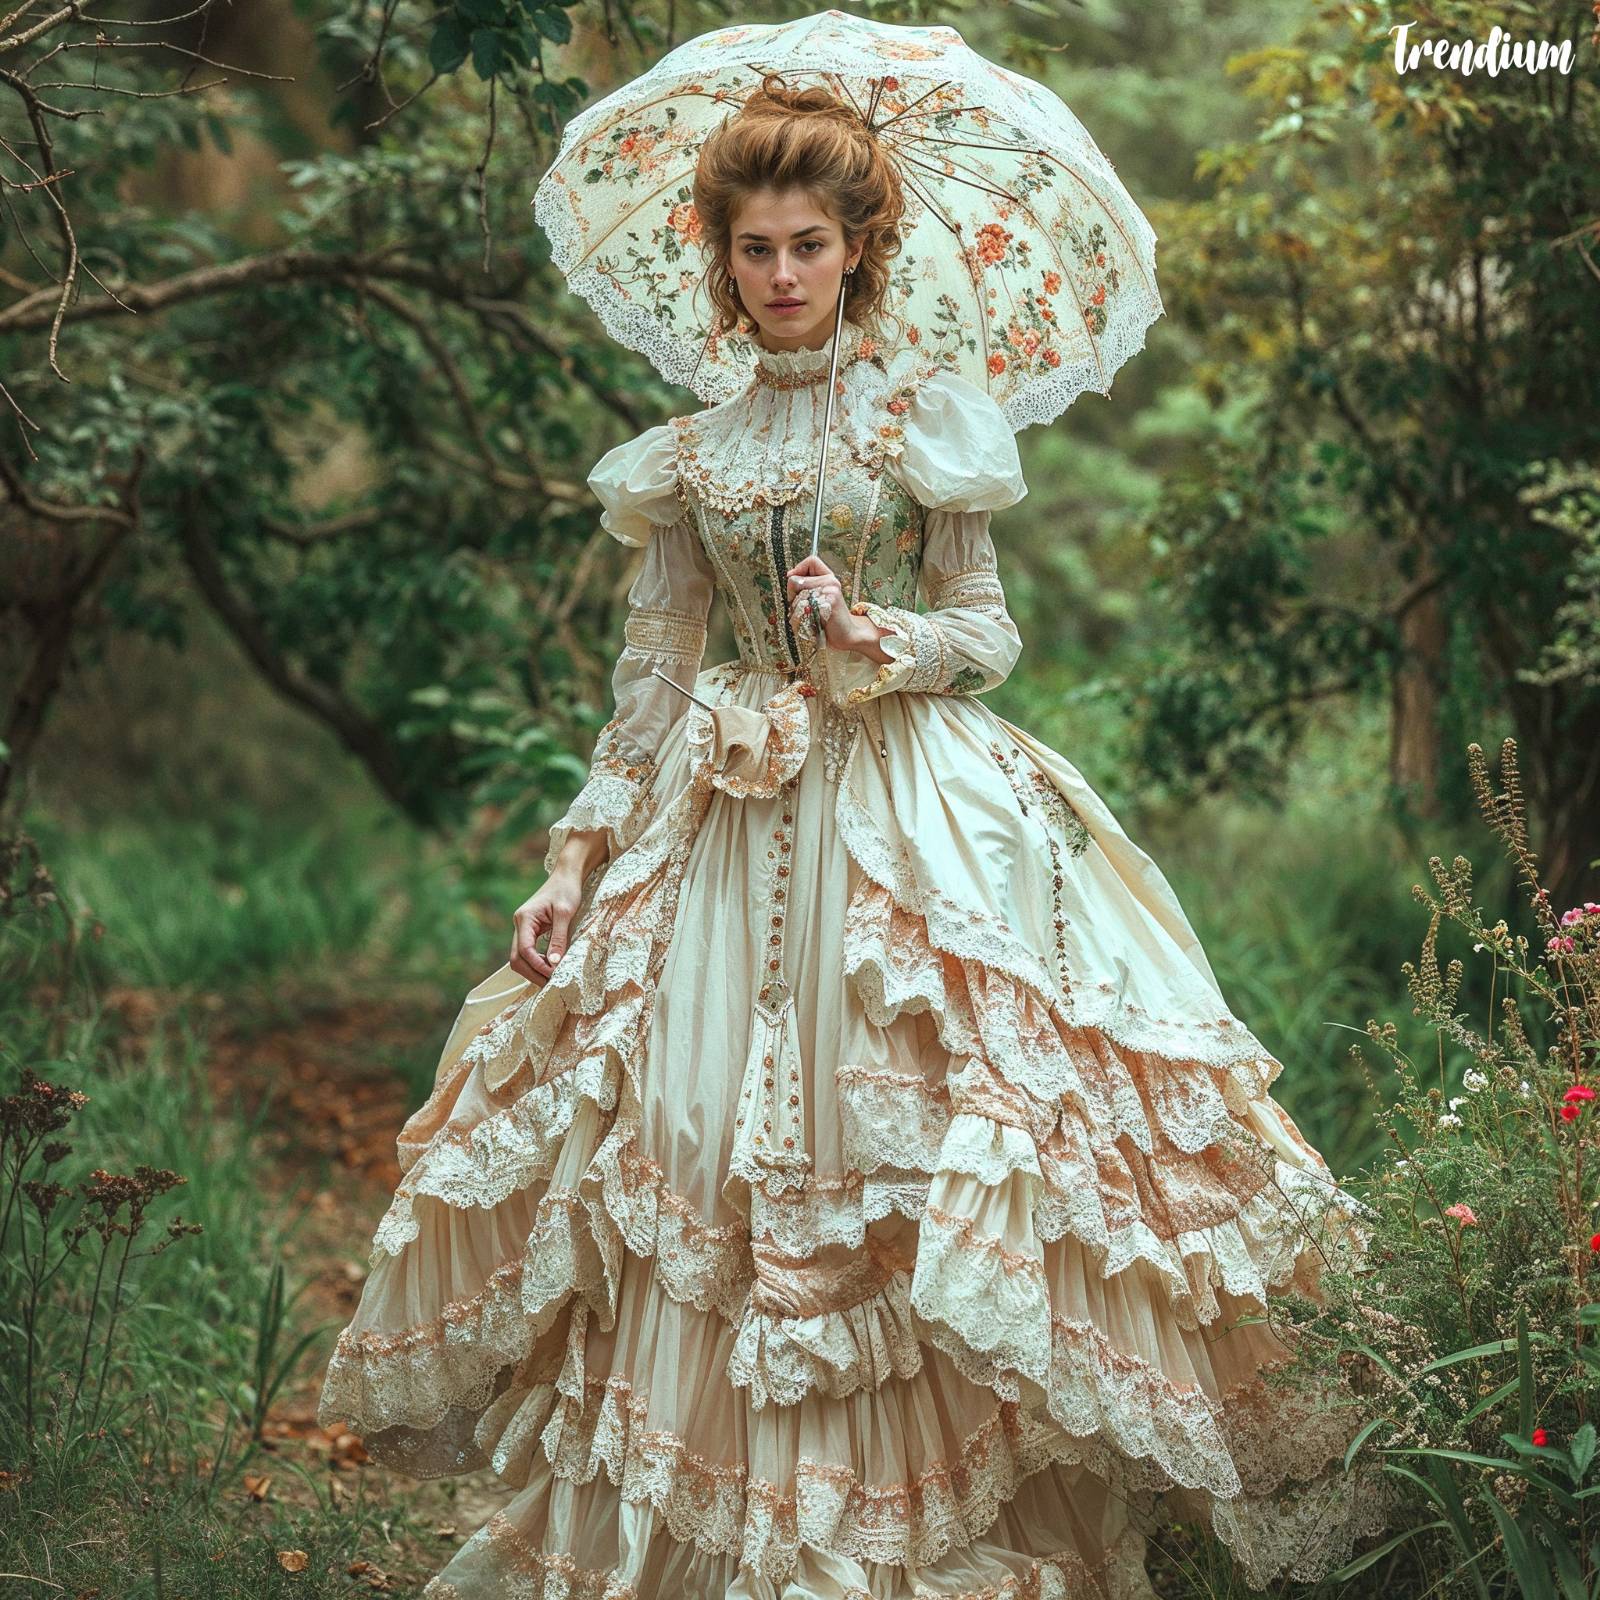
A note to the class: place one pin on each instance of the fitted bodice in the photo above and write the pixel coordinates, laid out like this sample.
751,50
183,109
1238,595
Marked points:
747,478
871,538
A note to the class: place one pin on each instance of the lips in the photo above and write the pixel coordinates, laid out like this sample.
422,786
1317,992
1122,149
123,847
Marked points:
784,305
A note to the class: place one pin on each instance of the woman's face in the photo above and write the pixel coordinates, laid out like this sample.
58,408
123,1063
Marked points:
788,258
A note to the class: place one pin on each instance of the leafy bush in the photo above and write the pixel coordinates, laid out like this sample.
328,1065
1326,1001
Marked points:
1481,1307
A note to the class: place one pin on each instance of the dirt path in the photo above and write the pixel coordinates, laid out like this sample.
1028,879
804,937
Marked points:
335,1099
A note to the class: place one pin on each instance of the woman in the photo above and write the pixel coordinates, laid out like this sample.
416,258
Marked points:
866,1198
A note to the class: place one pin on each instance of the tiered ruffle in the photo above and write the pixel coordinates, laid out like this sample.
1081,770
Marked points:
1009,1301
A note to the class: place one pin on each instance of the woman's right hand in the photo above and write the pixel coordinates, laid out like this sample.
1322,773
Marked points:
550,909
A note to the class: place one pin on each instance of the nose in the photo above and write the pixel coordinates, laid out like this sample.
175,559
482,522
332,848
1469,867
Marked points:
783,272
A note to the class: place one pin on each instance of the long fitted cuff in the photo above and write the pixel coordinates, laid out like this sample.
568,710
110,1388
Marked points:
915,644
610,799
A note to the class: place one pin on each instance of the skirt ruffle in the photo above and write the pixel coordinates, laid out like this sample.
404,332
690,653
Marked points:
879,1202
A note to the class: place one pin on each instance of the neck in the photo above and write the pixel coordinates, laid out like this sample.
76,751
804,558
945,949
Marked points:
780,346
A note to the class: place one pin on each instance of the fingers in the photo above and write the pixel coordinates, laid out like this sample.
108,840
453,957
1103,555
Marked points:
808,573
556,947
525,959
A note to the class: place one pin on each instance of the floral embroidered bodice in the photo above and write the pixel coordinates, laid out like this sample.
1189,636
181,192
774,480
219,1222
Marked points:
723,502
747,474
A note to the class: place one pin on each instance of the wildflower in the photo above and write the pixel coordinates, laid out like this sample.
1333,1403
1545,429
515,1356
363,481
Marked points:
1594,1241
1522,1088
1401,1164
1571,1113
1449,1120
1578,1091
1472,1080
1540,1437
1462,1213
1560,944
1457,1100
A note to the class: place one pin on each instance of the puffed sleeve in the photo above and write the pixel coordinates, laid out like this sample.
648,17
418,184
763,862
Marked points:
669,604
960,463
637,485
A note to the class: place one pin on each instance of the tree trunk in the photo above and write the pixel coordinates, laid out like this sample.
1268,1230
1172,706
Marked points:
1415,694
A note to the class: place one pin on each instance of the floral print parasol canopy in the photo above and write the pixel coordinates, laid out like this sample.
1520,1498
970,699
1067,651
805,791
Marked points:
1024,266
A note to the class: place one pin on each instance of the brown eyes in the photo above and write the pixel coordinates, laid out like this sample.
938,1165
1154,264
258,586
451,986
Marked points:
810,246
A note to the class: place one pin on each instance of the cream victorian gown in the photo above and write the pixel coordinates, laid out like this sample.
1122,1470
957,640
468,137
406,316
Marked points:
863,1207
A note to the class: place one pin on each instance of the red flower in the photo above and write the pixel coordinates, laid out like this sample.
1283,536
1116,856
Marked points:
1571,1113
1052,357
891,84
1578,1091
1540,1437
997,364
1594,1241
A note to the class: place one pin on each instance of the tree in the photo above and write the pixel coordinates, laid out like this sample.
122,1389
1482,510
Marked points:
176,376
1396,285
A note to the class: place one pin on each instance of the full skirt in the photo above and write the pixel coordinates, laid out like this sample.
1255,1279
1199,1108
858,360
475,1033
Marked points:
879,1201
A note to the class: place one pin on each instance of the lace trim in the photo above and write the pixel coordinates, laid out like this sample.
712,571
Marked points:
721,1509
894,898
513,1558
613,797
664,635
781,1360
761,447
977,590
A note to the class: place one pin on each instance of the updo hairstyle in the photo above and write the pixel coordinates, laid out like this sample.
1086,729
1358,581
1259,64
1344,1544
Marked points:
808,139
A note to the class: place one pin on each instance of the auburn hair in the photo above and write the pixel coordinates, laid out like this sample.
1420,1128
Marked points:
808,139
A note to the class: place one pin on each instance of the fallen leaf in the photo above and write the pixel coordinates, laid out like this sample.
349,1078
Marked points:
293,1560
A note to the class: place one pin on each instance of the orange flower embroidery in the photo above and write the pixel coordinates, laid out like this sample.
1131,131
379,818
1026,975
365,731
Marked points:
992,242
997,364
684,221
1052,282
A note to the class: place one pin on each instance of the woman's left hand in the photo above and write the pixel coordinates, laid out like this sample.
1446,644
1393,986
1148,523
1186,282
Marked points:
841,630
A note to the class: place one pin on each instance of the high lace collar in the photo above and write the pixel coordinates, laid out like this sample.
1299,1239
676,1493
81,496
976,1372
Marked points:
791,369
762,446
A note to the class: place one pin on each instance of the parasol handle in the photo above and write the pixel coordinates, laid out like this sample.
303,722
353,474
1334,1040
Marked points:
827,419
657,672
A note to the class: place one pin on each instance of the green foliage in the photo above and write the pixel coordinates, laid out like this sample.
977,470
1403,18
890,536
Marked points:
1392,318
1479,1303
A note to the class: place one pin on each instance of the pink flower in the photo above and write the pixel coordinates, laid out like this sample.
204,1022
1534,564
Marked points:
1462,1213
1569,917
1560,944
